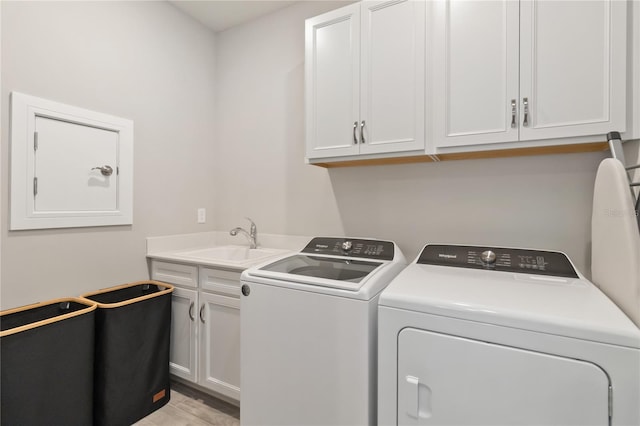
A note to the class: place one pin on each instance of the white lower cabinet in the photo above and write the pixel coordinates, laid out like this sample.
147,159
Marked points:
219,367
205,326
182,358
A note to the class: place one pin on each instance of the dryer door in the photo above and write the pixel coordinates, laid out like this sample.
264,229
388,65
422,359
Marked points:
448,380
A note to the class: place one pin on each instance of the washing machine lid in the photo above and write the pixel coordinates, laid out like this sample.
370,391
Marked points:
347,274
360,267
560,305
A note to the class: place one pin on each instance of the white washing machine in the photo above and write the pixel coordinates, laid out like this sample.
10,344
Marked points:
308,333
498,336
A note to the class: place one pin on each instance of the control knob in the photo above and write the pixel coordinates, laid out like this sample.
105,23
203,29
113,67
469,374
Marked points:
488,257
347,245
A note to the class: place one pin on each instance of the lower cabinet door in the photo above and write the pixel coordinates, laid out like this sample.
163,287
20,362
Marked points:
182,360
219,367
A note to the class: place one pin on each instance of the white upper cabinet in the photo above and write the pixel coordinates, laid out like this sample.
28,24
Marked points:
333,82
365,77
508,71
475,77
572,68
392,76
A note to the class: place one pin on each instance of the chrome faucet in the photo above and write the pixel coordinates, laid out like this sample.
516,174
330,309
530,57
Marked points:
252,235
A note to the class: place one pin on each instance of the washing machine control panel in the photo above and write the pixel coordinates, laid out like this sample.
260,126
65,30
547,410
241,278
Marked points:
369,249
533,262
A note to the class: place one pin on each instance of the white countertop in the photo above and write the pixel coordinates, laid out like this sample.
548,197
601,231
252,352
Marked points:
194,248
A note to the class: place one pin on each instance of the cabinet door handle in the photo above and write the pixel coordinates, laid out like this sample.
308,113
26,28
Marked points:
525,102
355,135
513,113
201,313
191,311
362,132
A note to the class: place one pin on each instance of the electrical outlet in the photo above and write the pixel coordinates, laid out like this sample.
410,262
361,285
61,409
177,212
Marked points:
202,215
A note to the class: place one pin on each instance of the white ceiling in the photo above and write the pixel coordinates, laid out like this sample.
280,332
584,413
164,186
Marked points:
220,15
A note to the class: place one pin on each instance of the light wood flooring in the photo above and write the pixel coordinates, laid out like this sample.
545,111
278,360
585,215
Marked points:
189,407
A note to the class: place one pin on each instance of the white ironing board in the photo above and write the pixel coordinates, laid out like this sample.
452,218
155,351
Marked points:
615,238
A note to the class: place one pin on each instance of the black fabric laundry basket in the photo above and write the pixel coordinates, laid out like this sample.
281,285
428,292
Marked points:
133,325
46,352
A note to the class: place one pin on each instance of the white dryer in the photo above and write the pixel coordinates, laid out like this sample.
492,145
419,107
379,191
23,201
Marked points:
499,336
309,333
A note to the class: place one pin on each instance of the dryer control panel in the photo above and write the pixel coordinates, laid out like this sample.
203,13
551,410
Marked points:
536,262
369,249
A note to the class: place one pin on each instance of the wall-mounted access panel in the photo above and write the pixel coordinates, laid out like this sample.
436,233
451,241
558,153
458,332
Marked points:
70,167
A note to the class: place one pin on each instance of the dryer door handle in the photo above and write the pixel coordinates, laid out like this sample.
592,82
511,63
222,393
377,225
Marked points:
418,401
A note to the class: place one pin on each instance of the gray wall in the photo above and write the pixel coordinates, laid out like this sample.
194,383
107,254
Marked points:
145,61
260,131
541,202
148,62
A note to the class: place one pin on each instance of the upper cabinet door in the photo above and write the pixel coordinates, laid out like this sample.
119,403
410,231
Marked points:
475,71
332,79
393,76
572,68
